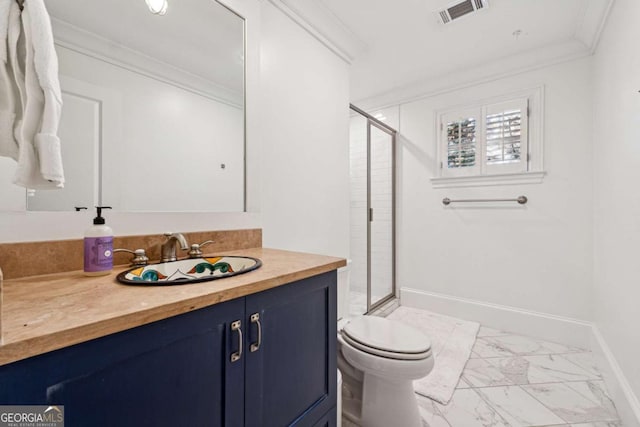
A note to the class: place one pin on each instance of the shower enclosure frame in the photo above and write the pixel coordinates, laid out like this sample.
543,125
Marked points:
372,121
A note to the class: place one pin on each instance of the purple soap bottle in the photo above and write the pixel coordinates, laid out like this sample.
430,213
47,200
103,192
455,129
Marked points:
98,246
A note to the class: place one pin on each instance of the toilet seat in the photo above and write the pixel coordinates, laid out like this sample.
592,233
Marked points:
386,338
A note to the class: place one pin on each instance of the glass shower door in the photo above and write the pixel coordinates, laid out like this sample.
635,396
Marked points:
381,227
372,239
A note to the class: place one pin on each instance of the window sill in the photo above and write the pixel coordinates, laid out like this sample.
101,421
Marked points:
488,180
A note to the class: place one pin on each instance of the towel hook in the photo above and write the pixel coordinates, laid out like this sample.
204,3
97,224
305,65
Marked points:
21,4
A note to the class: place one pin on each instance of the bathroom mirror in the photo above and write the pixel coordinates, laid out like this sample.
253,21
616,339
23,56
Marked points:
153,116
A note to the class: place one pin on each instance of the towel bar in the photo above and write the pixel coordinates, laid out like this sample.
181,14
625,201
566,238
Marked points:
521,200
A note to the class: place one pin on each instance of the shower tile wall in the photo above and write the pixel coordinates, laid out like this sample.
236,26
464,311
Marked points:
381,177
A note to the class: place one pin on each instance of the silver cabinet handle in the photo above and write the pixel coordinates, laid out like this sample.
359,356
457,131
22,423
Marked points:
255,318
235,326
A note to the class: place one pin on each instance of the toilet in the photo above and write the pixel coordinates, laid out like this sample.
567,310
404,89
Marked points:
378,360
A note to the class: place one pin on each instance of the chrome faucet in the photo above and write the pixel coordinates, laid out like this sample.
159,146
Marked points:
168,250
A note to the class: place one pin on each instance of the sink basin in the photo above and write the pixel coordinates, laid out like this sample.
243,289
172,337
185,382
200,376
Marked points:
189,271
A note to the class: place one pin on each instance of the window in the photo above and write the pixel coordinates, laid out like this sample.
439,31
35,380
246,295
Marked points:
460,139
489,143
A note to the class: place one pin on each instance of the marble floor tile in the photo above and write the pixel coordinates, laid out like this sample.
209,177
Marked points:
463,384
540,369
516,368
517,345
599,424
482,373
576,402
584,360
597,391
468,409
490,332
518,407
431,416
486,347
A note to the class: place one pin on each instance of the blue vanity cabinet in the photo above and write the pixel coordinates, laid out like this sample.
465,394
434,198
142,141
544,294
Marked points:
179,371
174,372
290,378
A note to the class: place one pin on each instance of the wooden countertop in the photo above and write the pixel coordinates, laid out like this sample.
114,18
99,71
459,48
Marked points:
45,313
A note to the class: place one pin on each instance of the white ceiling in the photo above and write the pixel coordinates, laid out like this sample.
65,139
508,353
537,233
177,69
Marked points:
402,43
391,44
201,37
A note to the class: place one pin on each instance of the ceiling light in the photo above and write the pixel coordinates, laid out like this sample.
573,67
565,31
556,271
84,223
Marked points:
157,7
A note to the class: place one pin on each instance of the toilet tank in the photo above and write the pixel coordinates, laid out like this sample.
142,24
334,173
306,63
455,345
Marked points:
343,290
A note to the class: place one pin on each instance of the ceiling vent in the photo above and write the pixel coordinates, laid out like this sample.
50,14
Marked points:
460,9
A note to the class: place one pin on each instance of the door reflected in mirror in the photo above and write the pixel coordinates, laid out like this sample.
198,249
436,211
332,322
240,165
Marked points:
153,115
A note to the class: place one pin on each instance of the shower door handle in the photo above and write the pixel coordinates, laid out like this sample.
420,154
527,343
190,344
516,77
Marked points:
370,214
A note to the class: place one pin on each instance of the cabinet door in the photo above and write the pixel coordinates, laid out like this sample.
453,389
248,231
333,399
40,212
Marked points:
168,373
291,378
328,420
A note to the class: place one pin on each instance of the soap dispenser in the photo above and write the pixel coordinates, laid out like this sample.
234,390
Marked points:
98,246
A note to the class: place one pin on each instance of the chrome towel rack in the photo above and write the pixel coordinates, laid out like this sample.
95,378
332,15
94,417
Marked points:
521,200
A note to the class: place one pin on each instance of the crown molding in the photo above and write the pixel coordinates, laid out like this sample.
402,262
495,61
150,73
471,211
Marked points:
315,18
473,76
594,18
92,45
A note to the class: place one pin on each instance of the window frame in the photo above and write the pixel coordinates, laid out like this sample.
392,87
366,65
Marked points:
528,171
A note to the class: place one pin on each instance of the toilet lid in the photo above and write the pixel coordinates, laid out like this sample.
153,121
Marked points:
387,336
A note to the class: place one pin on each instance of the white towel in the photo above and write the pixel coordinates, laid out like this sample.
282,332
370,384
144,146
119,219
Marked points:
5,6
8,88
40,159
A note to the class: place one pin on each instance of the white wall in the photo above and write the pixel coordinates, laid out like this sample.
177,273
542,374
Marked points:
617,197
14,198
305,138
538,257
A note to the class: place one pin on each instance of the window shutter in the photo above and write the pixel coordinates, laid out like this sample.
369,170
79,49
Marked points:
506,137
460,143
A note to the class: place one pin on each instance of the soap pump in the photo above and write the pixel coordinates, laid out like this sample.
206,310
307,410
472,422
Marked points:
98,246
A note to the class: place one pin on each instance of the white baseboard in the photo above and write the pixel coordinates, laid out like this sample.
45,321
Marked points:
626,401
549,327
540,325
